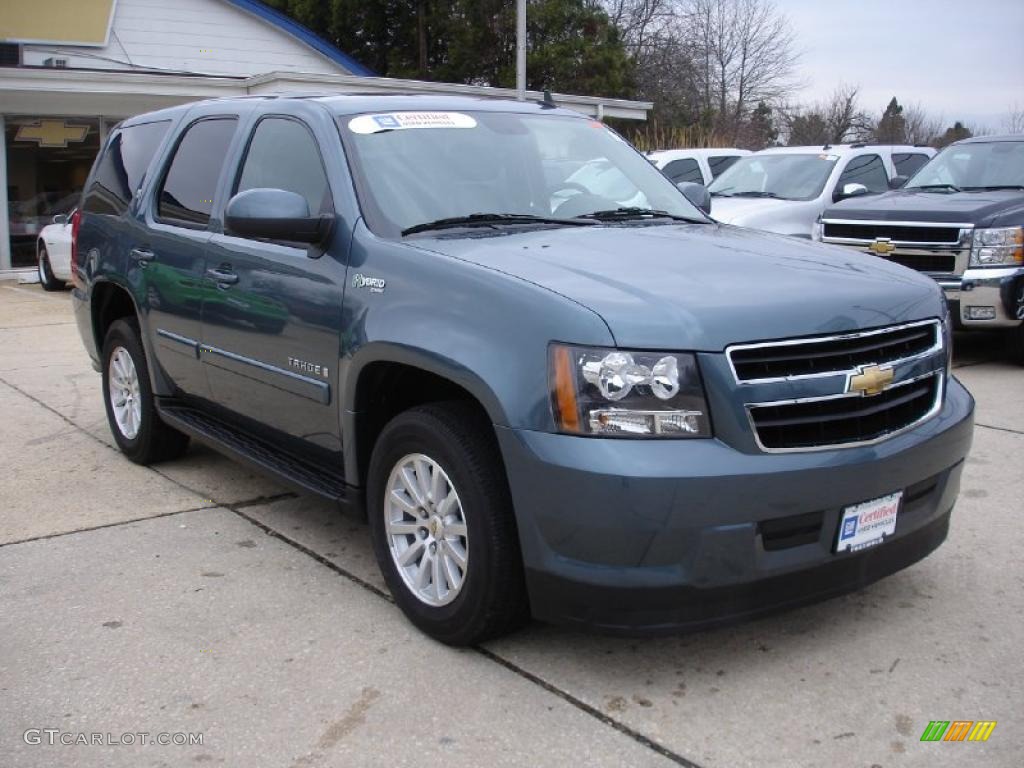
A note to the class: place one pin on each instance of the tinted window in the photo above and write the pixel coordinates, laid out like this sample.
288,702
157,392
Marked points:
186,196
719,163
867,170
123,166
283,155
685,169
907,163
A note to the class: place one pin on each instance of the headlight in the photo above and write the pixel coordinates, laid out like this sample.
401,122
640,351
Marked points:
1003,246
616,393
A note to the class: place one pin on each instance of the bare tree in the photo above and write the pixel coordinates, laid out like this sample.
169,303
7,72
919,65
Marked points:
1014,120
643,24
744,53
921,128
836,120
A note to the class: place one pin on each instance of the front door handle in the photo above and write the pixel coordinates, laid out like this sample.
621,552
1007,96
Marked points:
142,255
222,277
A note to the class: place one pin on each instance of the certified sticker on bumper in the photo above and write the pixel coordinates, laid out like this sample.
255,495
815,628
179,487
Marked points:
866,524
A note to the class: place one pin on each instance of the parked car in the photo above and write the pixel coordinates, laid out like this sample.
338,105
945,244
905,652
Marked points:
785,189
631,419
960,219
698,166
53,252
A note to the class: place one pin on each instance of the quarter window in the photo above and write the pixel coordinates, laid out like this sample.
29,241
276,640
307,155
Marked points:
684,169
867,170
719,163
186,196
283,155
122,167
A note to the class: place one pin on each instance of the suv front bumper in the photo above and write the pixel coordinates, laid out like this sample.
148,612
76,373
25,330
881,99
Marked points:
999,292
664,535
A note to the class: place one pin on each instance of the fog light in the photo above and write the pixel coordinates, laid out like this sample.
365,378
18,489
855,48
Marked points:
981,313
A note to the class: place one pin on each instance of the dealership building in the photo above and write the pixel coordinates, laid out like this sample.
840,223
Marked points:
71,69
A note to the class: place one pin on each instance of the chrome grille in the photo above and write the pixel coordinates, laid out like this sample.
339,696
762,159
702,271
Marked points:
796,358
936,248
897,233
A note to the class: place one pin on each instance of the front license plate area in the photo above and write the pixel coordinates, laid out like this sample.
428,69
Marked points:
868,523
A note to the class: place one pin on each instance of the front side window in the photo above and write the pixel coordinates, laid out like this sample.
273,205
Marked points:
416,167
283,155
867,170
977,166
783,175
122,167
186,195
684,169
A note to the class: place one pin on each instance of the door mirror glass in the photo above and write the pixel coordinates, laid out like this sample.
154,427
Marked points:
275,214
852,189
697,194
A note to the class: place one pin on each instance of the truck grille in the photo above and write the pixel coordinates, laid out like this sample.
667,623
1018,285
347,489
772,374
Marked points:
924,262
835,354
895,232
845,419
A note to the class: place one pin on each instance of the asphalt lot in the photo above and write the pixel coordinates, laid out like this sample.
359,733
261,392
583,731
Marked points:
194,597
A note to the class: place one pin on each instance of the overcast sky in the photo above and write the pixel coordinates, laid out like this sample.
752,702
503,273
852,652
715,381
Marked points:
960,59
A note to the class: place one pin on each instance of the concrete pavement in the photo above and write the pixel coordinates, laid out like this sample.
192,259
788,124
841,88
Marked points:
195,597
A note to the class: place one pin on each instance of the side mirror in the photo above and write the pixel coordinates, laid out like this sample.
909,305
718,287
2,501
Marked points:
275,214
897,182
60,218
851,189
697,194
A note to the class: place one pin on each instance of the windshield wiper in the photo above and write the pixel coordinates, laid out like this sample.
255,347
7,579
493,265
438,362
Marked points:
754,193
950,187
632,213
489,219
993,188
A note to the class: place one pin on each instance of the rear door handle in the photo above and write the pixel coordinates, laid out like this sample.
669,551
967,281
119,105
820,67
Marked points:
222,277
142,255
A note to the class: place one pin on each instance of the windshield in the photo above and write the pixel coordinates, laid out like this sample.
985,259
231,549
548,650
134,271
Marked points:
412,168
974,166
790,177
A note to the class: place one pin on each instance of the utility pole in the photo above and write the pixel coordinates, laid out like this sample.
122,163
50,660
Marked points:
521,50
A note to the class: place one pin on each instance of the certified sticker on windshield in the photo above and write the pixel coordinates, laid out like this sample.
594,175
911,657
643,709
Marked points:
399,121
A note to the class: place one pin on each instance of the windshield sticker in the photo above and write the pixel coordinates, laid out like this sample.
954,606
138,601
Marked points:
831,158
397,121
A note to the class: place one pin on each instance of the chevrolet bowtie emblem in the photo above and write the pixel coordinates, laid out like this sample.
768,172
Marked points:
882,246
870,380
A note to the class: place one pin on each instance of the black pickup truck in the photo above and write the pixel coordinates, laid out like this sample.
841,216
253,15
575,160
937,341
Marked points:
959,220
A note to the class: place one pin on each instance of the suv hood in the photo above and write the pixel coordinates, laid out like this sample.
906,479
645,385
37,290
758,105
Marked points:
703,286
983,209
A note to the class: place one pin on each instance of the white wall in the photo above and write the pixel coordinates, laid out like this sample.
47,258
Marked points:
204,36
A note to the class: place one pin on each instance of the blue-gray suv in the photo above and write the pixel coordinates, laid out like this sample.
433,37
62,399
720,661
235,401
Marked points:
594,406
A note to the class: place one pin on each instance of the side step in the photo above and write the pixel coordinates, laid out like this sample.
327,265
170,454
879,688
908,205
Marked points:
259,455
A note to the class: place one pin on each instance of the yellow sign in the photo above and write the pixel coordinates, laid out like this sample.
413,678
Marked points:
51,133
882,246
872,380
70,22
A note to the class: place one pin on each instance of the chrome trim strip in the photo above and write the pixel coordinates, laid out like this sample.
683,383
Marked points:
936,347
877,223
322,388
183,340
940,392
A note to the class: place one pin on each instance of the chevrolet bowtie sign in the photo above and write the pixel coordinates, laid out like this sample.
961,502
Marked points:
871,380
882,246
51,133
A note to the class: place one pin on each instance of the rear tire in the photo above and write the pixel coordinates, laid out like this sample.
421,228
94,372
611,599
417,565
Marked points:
128,397
470,526
46,277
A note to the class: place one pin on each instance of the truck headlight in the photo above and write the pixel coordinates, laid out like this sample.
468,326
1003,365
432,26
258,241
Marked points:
999,247
617,393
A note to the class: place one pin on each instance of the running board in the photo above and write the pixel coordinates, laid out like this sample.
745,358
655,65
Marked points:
259,455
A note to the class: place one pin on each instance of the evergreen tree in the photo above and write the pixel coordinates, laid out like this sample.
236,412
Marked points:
892,128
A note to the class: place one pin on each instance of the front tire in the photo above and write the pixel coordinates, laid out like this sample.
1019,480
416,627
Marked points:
46,277
128,397
442,524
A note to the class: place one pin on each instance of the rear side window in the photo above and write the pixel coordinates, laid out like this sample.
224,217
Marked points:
283,155
685,169
719,163
908,163
186,195
867,170
122,167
